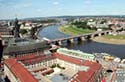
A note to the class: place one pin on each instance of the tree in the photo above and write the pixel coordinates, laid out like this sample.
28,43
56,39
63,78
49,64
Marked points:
23,31
82,25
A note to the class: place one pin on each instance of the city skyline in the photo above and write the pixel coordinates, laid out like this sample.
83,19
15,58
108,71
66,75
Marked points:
44,8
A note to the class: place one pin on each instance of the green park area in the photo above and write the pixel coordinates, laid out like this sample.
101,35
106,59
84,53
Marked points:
74,30
120,37
77,28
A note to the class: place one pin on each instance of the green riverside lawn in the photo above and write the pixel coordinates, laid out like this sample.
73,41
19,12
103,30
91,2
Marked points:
120,37
73,30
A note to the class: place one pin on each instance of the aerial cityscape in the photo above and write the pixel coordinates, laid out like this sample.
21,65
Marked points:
62,41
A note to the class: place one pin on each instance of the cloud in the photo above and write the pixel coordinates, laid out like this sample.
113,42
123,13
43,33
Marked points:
55,3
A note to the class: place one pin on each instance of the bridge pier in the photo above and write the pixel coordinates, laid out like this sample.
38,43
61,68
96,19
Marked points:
56,43
87,37
93,36
105,33
109,32
60,43
82,38
70,41
100,34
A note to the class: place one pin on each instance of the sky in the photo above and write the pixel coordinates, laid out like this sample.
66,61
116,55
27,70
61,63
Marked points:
10,9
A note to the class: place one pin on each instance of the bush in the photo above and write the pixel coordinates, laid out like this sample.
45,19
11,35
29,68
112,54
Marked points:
53,66
23,31
57,65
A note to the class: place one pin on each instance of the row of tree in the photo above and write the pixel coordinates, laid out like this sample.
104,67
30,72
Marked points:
45,21
83,25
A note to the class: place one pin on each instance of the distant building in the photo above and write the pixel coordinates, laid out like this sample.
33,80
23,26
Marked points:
5,31
120,75
27,26
91,23
102,26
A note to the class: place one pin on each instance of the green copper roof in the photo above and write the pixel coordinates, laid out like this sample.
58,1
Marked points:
76,53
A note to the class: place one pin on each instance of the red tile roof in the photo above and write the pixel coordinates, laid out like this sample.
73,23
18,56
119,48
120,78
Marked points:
19,71
86,76
37,59
81,76
68,58
26,57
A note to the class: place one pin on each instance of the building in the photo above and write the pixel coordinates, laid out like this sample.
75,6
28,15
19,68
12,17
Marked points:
91,23
38,68
17,46
102,26
5,31
26,25
76,54
17,73
120,75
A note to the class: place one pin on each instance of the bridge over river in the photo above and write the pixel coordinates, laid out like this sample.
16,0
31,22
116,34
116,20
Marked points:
83,37
88,46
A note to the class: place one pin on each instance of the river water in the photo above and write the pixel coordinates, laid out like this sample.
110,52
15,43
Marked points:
51,32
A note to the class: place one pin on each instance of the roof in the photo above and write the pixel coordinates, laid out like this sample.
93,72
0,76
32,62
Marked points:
27,57
19,71
37,59
82,75
68,58
10,50
94,68
76,54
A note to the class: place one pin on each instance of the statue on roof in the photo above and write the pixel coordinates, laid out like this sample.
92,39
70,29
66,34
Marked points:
1,48
16,29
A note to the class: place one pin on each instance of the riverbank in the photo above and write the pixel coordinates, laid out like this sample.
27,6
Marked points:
109,40
73,30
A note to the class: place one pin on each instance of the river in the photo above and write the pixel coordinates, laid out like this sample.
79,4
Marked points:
51,32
